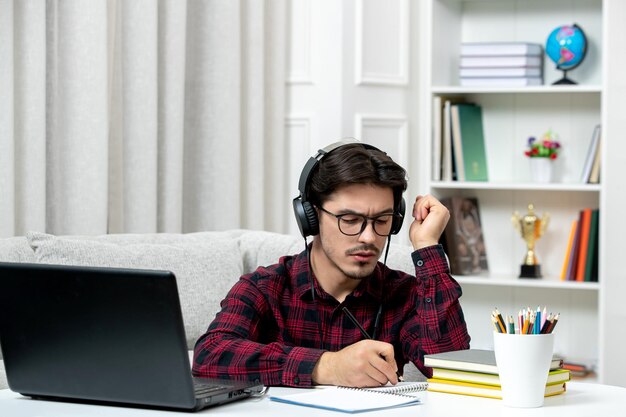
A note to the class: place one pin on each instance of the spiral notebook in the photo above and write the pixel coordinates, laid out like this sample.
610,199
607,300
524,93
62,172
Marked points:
356,400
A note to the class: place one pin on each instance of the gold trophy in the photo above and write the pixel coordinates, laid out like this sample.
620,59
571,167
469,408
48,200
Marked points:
531,228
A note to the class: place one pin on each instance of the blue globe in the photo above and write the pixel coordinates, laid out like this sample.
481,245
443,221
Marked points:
567,46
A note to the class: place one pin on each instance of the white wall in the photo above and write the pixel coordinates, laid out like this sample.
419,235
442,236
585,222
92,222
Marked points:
352,70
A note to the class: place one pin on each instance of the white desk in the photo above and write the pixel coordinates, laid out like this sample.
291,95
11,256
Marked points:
581,399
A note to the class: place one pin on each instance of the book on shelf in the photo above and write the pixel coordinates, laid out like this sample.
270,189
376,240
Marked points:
554,376
510,61
463,238
573,256
481,390
500,72
568,251
501,81
446,158
473,360
448,168
355,400
471,142
500,49
578,369
591,155
585,227
591,264
594,175
581,256
437,138
457,148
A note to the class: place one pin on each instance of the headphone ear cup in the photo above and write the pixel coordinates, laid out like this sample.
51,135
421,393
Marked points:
312,220
306,217
398,220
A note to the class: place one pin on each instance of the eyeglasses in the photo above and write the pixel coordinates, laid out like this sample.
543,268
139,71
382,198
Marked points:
352,224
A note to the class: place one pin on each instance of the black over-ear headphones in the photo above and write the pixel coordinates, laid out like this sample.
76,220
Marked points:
306,216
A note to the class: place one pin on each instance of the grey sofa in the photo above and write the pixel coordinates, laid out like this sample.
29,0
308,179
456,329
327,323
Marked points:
206,264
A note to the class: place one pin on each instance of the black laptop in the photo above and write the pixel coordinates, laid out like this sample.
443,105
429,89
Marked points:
101,335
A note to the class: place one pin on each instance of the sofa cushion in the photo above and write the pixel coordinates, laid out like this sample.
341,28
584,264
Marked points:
206,264
259,248
16,249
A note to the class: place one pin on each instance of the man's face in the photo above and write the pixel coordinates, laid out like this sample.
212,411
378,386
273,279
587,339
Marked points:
353,256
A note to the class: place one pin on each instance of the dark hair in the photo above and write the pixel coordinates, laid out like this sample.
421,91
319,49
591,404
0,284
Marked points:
355,164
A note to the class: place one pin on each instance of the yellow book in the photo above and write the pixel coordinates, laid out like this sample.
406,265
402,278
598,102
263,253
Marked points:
554,377
568,253
481,390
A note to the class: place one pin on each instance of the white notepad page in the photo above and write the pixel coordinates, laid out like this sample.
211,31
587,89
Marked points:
353,400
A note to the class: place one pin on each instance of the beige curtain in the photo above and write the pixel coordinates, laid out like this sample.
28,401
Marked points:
142,116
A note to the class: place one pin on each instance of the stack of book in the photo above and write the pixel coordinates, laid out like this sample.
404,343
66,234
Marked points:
474,372
510,64
459,148
581,257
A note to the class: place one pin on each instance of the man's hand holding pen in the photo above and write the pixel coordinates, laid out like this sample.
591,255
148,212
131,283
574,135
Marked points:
368,363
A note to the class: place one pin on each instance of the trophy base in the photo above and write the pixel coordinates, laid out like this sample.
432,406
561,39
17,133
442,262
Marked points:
530,271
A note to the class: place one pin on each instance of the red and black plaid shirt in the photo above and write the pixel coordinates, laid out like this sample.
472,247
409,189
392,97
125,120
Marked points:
268,330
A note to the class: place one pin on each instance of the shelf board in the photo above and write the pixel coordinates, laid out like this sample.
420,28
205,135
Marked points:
531,186
542,89
528,283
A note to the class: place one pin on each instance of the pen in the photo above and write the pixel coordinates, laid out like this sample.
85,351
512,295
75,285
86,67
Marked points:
364,332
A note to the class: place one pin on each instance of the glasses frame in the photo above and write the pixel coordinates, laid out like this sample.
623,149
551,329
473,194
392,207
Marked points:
364,223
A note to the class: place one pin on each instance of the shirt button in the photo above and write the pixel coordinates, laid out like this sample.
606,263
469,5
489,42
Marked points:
296,380
420,263
428,299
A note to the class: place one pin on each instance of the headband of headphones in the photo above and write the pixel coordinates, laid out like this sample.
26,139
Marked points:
306,215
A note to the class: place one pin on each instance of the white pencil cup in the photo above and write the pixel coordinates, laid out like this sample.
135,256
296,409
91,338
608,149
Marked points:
523,364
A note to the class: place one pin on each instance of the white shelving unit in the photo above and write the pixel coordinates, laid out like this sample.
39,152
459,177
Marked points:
510,116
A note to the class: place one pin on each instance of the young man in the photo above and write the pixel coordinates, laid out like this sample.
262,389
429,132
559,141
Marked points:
333,314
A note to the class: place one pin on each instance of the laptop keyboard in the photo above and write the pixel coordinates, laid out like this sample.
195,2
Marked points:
203,390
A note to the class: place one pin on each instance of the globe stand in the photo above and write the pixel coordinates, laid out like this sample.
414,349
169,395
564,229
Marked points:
564,80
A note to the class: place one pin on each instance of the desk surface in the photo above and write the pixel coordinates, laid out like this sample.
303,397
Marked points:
581,399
